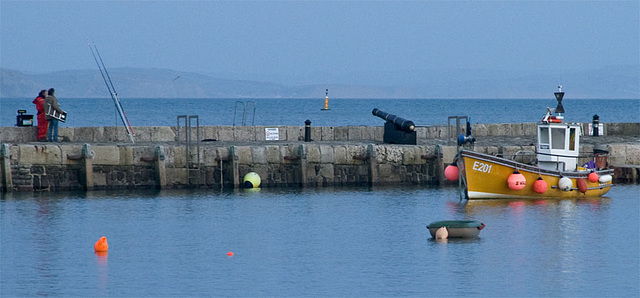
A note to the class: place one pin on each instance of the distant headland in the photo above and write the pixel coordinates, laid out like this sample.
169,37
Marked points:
614,82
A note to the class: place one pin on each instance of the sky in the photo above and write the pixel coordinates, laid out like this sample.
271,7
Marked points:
288,39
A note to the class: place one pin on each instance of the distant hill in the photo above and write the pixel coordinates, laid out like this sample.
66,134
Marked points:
611,82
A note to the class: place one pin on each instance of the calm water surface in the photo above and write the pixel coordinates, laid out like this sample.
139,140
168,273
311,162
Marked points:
316,242
343,112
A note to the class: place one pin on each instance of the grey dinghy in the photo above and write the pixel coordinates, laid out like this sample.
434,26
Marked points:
457,228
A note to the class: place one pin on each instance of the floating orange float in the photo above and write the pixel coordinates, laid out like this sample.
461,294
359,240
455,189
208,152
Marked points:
516,181
540,186
451,172
593,177
101,245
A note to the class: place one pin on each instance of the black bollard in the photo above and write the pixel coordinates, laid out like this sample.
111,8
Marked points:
307,130
596,125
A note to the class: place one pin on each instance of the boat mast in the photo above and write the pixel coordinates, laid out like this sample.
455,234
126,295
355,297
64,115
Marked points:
559,95
558,143
112,90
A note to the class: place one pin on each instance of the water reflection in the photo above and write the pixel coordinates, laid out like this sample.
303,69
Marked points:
455,241
472,207
102,272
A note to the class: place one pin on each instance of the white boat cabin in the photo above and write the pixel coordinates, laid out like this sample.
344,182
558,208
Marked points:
558,146
558,143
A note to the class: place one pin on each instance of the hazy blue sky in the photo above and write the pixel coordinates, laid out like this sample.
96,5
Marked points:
302,38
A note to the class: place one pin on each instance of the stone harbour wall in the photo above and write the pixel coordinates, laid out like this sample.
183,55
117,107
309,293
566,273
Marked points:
93,158
53,167
57,167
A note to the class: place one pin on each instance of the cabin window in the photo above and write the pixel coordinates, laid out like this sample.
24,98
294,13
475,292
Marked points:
544,138
557,138
572,139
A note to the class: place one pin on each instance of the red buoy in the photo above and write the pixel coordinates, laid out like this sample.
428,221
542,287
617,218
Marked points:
451,172
582,185
101,245
540,186
516,181
593,177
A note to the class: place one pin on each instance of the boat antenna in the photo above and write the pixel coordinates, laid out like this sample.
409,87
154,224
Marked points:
112,90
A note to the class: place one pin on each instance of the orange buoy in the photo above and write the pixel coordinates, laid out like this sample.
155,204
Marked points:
582,185
230,254
101,245
593,177
326,100
540,186
516,181
451,172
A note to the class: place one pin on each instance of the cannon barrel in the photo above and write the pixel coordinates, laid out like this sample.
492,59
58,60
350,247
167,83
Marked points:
400,123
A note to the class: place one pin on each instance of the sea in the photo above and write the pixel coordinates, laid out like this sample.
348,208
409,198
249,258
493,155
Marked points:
340,112
316,242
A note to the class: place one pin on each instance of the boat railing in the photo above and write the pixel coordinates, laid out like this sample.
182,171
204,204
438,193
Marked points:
526,156
457,119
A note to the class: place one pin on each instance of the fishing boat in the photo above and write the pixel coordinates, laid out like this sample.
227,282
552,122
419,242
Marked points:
457,228
556,174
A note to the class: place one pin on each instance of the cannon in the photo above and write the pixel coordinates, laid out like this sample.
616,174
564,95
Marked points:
397,130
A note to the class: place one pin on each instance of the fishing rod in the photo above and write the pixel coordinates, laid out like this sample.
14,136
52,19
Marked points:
105,71
104,78
115,93
112,90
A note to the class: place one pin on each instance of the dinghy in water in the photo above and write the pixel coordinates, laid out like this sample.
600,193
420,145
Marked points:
457,228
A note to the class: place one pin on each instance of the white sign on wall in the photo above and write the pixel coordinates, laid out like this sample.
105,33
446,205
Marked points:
271,134
600,129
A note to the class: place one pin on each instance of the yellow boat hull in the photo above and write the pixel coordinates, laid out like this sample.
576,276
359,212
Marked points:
485,177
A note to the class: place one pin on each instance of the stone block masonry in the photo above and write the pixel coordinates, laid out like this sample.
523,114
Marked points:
94,158
46,167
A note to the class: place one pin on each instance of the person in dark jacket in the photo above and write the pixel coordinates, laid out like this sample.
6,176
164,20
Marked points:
51,104
43,124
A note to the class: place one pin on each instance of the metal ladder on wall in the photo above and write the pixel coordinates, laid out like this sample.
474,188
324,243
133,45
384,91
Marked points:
192,161
244,112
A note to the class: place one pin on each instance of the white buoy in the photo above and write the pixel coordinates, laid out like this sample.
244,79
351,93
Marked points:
565,184
442,233
605,178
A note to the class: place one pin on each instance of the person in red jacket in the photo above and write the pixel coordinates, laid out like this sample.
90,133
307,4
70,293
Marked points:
43,124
